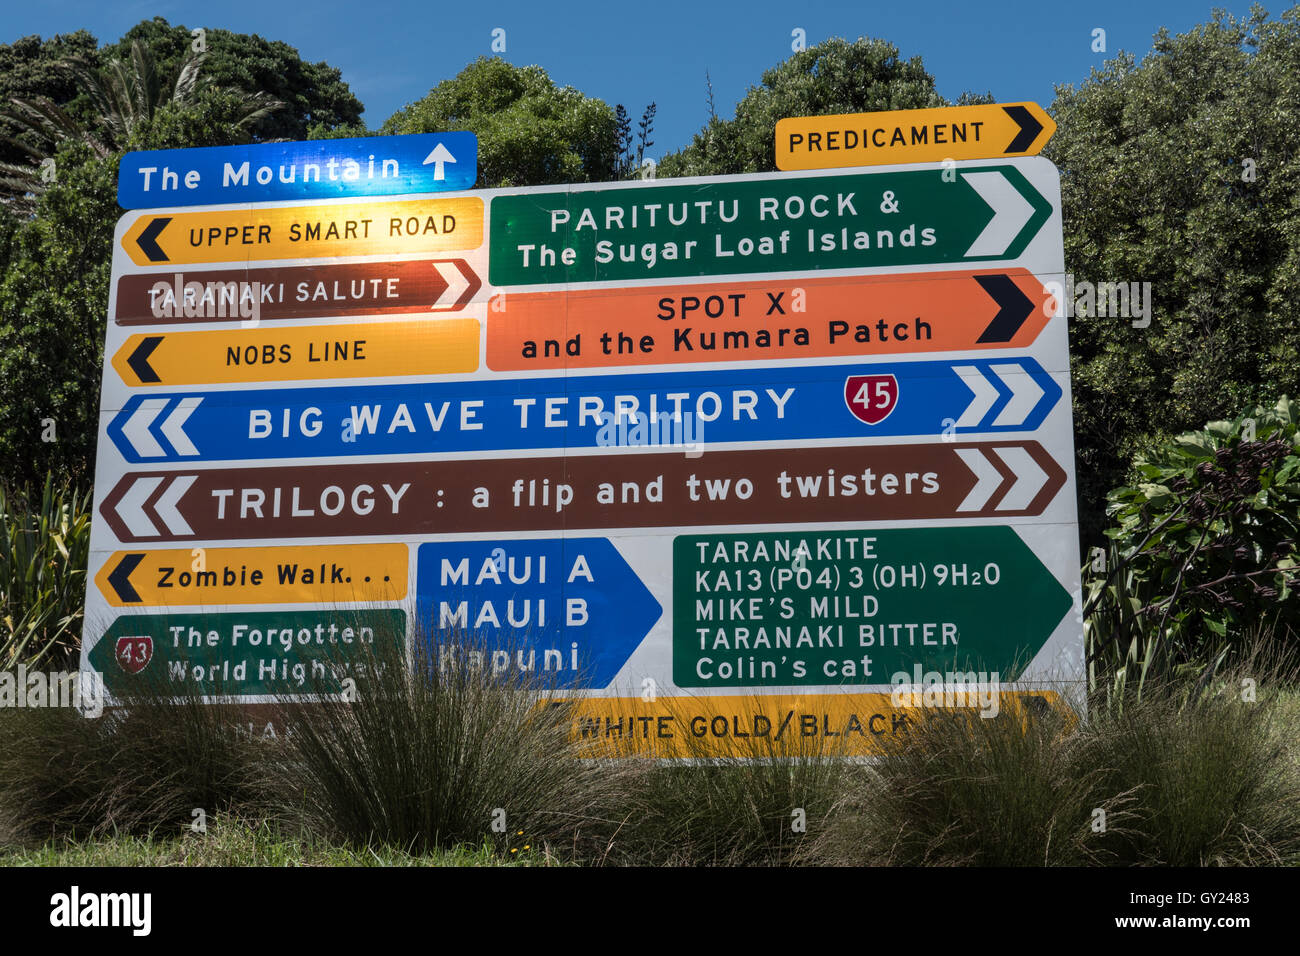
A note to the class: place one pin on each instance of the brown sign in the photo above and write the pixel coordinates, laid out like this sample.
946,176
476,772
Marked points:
179,297
639,490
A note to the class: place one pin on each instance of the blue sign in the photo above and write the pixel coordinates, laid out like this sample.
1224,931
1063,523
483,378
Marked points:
567,612
316,169
664,410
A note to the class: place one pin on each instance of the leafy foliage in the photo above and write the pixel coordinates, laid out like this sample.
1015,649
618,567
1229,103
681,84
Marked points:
832,77
530,132
44,547
127,96
1203,549
32,68
314,94
1156,187
52,311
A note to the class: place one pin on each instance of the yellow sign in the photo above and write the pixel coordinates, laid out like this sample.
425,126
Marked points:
329,575
987,131
304,232
390,349
760,727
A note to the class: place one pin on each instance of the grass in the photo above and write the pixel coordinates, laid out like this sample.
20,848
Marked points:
756,808
233,842
131,771
416,771
451,756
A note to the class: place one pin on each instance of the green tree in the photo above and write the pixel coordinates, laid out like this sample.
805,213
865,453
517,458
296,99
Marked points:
1182,171
53,302
126,97
314,94
32,68
530,132
54,290
834,76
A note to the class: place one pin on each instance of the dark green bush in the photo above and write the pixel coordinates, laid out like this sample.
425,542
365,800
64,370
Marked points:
1202,548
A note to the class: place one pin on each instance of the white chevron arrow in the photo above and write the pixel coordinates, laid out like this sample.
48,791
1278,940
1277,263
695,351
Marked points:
988,479
136,430
456,284
173,425
985,395
1025,393
1029,478
131,507
166,506
1010,213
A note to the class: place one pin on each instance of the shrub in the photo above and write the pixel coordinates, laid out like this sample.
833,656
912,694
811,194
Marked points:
44,548
1203,547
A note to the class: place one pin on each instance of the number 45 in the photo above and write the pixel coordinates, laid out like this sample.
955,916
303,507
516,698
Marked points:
878,394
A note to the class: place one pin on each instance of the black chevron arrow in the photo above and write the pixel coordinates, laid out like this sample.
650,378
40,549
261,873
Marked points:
1029,129
1013,308
120,579
139,359
148,240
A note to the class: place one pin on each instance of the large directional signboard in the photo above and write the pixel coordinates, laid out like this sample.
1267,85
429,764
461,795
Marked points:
751,446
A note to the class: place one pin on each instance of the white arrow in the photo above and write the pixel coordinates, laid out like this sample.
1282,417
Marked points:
456,284
439,155
985,395
1010,213
1025,393
1029,478
166,506
131,507
173,428
136,430
989,479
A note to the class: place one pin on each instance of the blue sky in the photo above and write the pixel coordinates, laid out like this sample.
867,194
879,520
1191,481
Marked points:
392,51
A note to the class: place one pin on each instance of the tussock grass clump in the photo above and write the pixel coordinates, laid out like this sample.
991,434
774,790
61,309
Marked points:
1188,773
1216,781
763,804
427,756
957,788
142,767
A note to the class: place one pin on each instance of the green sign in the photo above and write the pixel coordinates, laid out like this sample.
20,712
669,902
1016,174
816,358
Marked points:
858,607
764,224
262,653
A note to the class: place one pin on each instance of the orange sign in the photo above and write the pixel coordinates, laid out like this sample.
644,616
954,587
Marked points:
815,317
